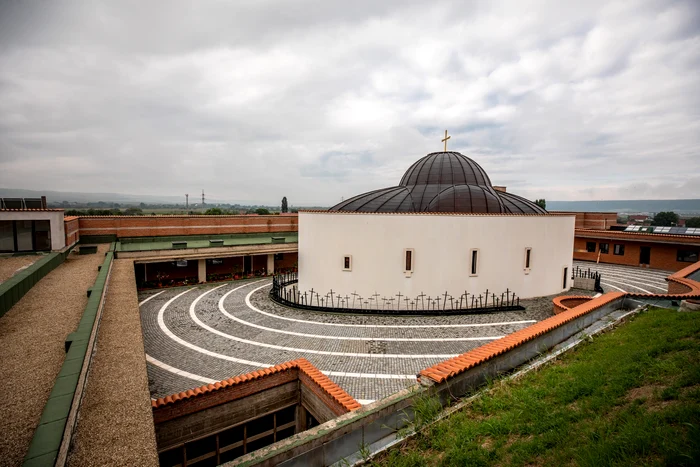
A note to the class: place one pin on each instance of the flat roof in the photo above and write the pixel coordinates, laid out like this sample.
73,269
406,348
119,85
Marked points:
203,241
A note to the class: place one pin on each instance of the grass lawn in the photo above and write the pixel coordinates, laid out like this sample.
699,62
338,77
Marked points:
629,397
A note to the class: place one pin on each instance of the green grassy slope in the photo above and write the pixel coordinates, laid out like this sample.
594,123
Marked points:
630,397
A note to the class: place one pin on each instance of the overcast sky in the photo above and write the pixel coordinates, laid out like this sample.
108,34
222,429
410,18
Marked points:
255,100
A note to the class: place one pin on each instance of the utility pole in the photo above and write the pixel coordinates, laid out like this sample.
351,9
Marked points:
187,202
202,197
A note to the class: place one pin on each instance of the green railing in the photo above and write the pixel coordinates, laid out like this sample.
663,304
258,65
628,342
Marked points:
13,289
61,409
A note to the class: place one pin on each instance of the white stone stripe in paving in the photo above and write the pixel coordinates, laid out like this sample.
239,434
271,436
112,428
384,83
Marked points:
612,286
164,328
609,276
633,276
628,285
179,372
393,326
150,297
655,274
199,323
320,336
365,401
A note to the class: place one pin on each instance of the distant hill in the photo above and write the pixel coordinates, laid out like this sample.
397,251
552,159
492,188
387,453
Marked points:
680,206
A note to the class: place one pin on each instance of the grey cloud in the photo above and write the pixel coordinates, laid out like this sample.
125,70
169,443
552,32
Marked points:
317,100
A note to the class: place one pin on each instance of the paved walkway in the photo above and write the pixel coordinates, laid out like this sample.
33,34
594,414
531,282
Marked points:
203,334
617,278
32,336
116,420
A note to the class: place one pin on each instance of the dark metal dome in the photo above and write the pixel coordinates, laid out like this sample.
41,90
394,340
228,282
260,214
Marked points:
445,168
441,182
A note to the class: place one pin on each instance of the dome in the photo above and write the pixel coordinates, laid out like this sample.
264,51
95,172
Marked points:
445,168
466,198
441,182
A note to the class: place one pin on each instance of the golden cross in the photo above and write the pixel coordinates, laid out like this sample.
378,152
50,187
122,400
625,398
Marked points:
445,140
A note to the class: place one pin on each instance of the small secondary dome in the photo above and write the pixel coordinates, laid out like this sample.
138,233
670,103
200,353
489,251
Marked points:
441,182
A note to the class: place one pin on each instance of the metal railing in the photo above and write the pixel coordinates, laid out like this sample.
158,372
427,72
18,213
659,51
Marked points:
588,274
285,292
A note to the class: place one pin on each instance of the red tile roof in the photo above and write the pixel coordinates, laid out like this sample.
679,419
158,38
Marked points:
320,380
454,366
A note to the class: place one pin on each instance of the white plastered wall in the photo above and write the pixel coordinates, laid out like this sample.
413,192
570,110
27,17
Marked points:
442,244
58,230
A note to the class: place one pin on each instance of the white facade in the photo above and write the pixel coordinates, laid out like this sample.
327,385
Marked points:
442,246
55,218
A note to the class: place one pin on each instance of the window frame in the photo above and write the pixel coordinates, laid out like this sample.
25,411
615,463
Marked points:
406,259
527,260
619,251
349,261
605,251
680,260
474,262
588,247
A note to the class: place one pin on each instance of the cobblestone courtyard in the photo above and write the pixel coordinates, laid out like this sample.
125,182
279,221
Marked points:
203,334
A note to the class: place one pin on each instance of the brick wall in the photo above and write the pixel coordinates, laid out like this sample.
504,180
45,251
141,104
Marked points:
154,226
72,229
594,220
663,256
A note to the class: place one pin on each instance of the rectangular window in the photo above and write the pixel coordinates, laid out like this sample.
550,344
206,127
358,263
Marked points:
475,263
528,256
7,236
181,263
619,250
42,235
408,254
347,263
590,247
566,277
24,235
604,248
687,256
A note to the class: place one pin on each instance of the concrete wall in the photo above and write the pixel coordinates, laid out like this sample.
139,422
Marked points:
442,246
663,256
154,226
58,233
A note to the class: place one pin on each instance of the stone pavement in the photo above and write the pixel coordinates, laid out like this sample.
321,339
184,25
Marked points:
207,333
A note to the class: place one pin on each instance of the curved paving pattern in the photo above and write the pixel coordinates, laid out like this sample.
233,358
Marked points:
204,334
210,333
617,278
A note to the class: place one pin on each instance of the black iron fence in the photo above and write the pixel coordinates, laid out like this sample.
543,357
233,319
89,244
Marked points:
588,274
285,292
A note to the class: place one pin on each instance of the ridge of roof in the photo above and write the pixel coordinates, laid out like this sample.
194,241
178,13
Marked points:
622,233
32,210
319,379
429,213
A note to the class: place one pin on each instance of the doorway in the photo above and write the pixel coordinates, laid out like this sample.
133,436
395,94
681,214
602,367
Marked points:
247,265
645,255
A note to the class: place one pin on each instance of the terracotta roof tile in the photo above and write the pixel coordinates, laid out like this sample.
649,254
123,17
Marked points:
320,380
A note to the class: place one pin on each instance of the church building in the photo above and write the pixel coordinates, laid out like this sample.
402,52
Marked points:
443,230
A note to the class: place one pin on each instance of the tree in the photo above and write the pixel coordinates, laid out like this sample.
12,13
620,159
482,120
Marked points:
133,212
262,211
541,203
665,218
693,222
213,212
284,204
